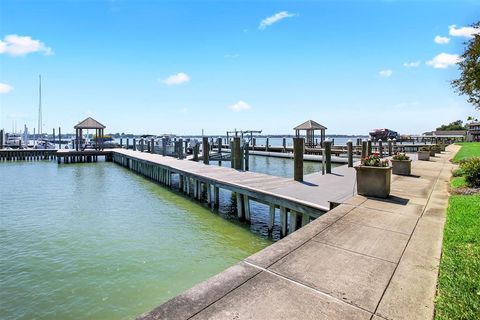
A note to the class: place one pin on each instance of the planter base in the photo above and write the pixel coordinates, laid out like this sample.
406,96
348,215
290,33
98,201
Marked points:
373,181
402,167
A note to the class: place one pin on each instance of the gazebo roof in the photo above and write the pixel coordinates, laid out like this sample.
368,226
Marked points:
310,125
89,123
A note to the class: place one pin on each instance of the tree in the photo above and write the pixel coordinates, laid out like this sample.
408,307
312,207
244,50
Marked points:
469,81
455,125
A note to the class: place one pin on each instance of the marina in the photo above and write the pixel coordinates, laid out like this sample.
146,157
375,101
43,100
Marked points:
239,160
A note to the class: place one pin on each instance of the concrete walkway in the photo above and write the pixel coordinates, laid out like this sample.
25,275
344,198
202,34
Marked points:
366,259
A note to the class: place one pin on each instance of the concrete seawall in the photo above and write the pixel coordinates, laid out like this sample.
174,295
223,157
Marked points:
366,259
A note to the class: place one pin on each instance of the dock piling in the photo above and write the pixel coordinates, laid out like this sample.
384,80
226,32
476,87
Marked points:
328,156
298,145
350,153
205,150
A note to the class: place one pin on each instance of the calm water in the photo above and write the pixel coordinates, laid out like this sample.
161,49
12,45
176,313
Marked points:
100,242
95,241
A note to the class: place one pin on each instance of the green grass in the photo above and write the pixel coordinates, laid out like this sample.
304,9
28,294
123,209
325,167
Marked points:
468,150
458,295
458,182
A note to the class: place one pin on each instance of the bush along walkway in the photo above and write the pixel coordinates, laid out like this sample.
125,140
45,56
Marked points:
458,293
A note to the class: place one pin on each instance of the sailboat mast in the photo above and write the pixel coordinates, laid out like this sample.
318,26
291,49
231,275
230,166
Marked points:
40,106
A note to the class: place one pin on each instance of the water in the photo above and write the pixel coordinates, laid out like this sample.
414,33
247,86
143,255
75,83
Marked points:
95,241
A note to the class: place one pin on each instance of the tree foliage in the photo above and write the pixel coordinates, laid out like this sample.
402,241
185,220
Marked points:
469,81
455,125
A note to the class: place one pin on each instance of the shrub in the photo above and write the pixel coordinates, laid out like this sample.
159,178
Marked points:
400,156
374,161
458,172
471,171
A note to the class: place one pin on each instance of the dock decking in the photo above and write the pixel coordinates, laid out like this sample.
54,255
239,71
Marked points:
298,202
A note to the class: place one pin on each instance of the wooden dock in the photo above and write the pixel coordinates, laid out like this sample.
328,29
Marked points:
27,154
89,155
298,202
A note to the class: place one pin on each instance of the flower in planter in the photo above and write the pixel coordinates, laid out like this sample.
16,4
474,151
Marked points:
400,156
374,160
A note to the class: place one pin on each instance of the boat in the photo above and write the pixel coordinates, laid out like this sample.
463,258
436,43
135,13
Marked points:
383,134
44,144
14,141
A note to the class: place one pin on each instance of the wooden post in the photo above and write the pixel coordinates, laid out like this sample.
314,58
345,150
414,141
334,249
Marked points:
271,218
305,219
219,145
59,138
369,147
389,147
128,144
253,143
216,196
134,144
232,160
195,152
164,147
180,148
350,153
364,149
266,145
293,221
240,205
206,150
152,144
26,142
328,156
283,221
247,156
284,144
380,148
246,207
237,161
298,144
394,147
1,138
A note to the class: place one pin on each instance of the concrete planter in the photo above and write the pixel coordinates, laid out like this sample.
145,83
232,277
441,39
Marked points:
374,181
424,155
432,152
401,167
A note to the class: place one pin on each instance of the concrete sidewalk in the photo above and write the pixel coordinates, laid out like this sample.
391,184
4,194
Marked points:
366,259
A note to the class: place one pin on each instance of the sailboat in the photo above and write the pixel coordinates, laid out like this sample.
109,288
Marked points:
41,143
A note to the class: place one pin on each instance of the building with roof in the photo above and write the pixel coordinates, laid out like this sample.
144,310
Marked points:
89,123
310,127
473,131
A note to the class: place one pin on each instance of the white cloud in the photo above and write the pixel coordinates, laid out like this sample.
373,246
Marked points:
385,73
231,56
15,45
5,88
176,79
239,106
466,32
412,64
275,18
444,60
441,40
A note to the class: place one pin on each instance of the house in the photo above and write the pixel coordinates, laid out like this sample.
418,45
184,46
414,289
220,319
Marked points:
473,131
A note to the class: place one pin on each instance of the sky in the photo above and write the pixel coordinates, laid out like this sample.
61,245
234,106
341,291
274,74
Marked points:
182,66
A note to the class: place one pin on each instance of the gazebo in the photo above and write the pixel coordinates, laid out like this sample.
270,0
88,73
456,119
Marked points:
89,123
310,126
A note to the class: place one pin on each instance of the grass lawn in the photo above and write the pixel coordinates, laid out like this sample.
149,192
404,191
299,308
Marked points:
468,150
458,295
458,292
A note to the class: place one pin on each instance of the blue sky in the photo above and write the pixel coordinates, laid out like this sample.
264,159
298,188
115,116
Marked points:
184,66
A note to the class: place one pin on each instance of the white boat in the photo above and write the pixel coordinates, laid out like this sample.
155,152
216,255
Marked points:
44,144
14,141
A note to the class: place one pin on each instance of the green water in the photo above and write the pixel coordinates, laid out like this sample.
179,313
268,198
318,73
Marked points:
95,241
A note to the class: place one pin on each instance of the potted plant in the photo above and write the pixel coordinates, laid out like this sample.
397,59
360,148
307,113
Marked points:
373,177
431,149
401,164
424,154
